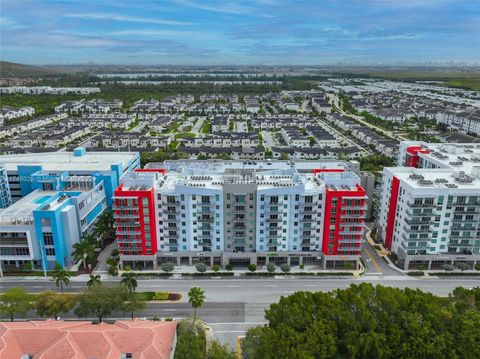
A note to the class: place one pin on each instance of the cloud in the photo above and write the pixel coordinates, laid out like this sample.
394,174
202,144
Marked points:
199,35
7,23
227,7
126,18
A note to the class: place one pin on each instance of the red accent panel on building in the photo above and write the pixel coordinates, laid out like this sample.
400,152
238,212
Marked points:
324,170
136,224
340,215
392,209
158,170
412,155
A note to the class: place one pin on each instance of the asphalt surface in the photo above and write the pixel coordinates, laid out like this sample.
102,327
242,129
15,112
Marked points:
234,305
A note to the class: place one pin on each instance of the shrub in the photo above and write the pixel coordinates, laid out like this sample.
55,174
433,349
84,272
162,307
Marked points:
201,267
168,267
156,319
463,266
168,319
271,267
301,266
285,267
421,267
28,266
252,267
215,267
160,296
229,267
477,266
448,267
127,268
115,253
348,265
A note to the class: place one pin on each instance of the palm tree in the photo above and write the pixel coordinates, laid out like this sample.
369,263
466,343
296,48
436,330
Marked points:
94,280
90,238
61,276
104,226
82,251
129,279
196,297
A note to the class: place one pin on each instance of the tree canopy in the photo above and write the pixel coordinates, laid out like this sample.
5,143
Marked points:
364,321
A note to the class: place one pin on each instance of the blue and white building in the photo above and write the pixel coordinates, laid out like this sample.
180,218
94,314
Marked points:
57,198
5,197
103,166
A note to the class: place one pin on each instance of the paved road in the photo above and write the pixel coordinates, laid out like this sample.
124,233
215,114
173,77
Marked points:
234,305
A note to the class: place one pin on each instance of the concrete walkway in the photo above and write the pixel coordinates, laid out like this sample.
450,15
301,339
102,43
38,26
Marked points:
102,266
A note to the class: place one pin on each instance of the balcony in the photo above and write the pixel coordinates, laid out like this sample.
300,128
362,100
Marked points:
205,219
354,207
421,205
123,215
274,220
410,230
418,222
125,241
346,233
417,215
138,232
120,207
352,215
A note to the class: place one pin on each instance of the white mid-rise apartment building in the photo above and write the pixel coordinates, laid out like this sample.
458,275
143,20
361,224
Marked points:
430,204
234,211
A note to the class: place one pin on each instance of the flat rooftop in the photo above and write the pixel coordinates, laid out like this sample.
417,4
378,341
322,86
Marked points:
222,167
422,178
90,161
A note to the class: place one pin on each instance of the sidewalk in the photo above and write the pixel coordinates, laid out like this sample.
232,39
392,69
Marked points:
102,266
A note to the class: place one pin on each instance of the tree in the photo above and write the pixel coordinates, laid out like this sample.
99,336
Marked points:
301,266
28,266
229,267
285,267
52,304
82,251
215,268
112,266
220,351
90,238
95,279
15,301
364,321
252,267
100,301
190,342
104,226
168,267
133,304
196,297
61,276
271,267
201,267
129,280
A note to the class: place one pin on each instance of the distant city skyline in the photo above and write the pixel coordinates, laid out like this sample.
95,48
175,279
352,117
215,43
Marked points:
257,32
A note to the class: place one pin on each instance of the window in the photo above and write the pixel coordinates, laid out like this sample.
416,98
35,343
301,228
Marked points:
48,238
50,251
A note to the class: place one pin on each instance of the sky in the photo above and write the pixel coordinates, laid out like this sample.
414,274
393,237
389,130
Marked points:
243,32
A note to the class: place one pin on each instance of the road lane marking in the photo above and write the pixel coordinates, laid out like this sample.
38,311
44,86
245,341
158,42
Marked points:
374,261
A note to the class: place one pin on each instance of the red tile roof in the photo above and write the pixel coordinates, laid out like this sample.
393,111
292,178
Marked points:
52,339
